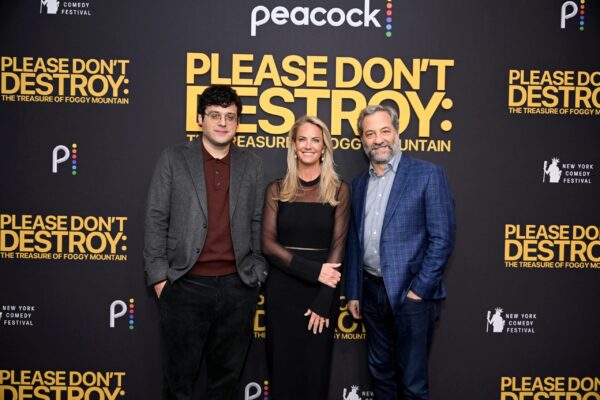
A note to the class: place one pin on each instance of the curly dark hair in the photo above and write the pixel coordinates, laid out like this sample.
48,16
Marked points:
219,95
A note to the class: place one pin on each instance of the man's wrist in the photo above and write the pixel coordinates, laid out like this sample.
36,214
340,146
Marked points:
413,295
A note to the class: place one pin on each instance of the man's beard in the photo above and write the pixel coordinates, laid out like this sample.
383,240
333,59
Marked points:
394,148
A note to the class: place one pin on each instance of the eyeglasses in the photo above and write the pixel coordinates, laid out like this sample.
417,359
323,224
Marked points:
217,116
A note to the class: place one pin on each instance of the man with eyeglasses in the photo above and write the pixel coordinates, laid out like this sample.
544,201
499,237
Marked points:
202,250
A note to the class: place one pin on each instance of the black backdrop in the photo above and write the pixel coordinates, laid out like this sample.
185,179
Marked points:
493,91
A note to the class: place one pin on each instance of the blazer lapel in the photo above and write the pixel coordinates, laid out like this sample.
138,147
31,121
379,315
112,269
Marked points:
193,157
397,189
236,176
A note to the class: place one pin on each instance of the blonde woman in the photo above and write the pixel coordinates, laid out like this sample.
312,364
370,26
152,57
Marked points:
305,222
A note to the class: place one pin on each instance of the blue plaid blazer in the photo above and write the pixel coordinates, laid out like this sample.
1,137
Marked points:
417,235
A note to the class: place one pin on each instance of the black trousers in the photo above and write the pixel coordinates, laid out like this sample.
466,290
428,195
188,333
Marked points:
397,344
205,317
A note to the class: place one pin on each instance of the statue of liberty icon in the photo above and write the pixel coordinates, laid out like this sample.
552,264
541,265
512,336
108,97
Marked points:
496,321
552,171
353,395
51,6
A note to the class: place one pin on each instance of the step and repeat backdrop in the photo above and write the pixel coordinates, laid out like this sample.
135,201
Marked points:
504,95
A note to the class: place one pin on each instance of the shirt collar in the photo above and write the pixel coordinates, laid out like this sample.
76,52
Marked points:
392,165
208,157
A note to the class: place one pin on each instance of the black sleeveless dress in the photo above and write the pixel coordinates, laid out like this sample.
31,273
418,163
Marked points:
298,237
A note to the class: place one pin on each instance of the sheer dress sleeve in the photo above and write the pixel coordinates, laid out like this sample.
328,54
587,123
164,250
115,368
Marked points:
322,302
279,256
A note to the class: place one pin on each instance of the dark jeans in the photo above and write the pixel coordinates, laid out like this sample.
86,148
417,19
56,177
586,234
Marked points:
398,345
205,316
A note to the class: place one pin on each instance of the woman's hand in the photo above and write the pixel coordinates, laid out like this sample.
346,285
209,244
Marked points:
316,322
329,275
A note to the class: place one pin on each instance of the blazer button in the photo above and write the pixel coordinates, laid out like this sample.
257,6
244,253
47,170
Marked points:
204,225
197,250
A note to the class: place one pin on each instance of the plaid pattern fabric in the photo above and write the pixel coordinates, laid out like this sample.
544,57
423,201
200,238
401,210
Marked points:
417,236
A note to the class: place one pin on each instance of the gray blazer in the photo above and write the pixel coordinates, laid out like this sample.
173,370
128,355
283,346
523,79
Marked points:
176,214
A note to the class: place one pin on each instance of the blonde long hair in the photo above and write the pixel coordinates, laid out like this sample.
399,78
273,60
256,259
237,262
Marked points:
329,183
